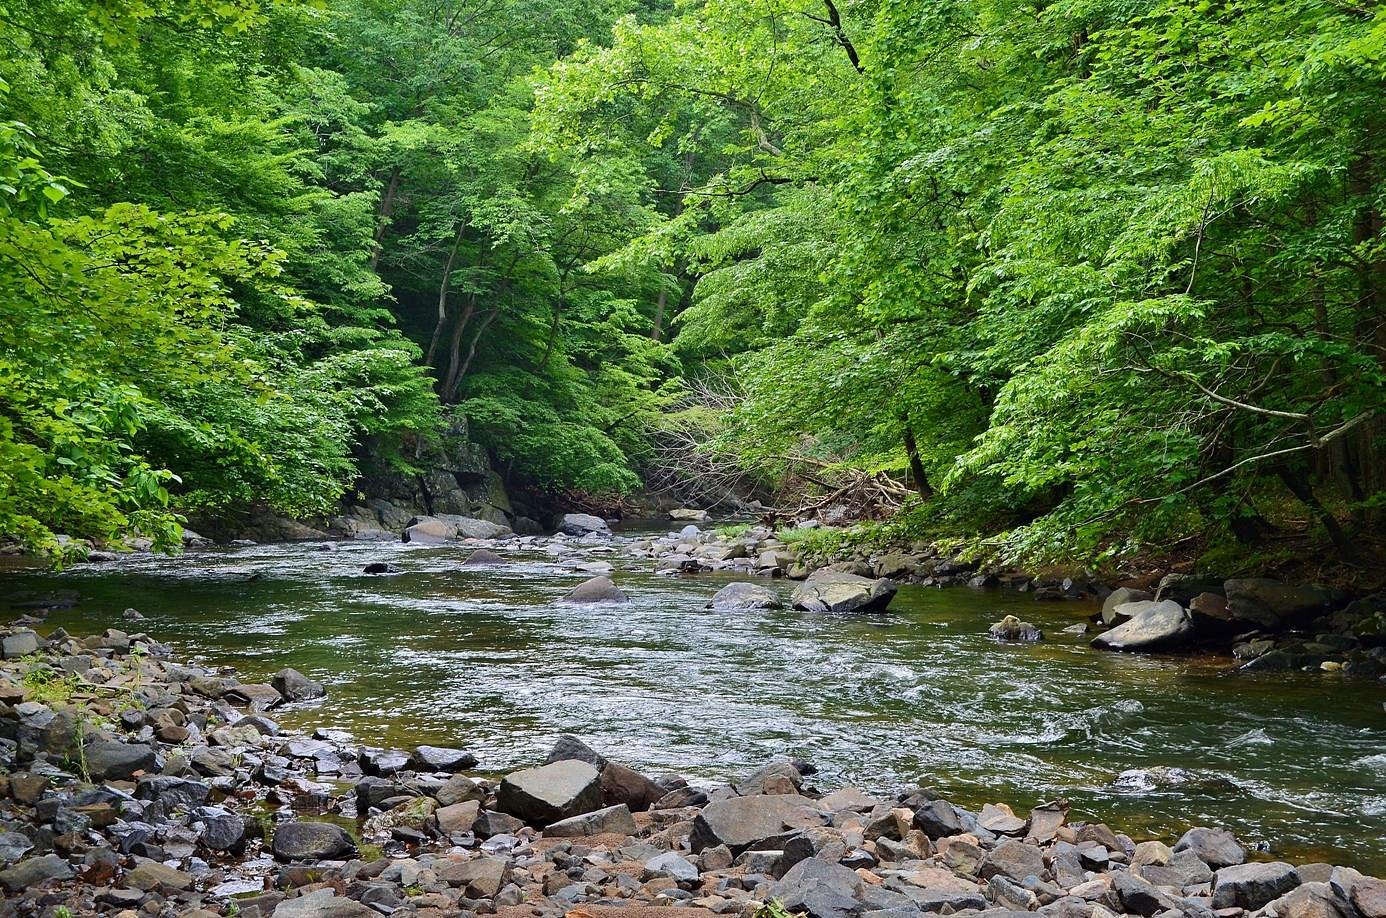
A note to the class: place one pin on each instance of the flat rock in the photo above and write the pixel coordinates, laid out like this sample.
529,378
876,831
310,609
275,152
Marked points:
307,841
1015,860
608,820
115,761
442,758
322,903
33,872
151,875
745,596
550,793
580,524
745,822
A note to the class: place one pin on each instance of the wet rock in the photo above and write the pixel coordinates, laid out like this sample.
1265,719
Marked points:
611,819
483,557
441,758
311,841
840,593
378,567
1215,847
34,872
745,596
428,530
581,524
1152,626
1272,604
598,589
1011,628
551,792
1251,886
295,686
744,822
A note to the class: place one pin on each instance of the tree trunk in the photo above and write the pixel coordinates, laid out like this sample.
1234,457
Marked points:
658,330
382,222
1301,489
921,480
443,293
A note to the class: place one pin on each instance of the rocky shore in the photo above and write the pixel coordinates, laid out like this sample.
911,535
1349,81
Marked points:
135,785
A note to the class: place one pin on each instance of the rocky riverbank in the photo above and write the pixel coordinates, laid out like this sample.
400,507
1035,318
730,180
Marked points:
136,785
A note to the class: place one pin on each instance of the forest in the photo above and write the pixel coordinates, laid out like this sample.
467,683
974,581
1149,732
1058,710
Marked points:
1062,281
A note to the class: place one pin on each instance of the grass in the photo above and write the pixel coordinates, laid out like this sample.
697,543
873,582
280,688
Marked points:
734,531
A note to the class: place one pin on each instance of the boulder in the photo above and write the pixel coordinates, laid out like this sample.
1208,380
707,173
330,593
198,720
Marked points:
110,760
458,818
1251,886
151,875
483,557
689,515
1368,896
1215,847
937,819
311,841
428,530
479,878
1120,597
673,865
612,819
552,792
34,872
619,783
1011,628
19,644
441,758
820,889
468,527
598,589
1015,860
1272,604
747,822
1182,588
580,524
736,597
295,686
842,593
1152,626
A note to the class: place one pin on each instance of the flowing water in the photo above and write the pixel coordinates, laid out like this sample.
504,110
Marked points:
486,659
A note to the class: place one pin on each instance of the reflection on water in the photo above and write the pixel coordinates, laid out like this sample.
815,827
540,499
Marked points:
486,659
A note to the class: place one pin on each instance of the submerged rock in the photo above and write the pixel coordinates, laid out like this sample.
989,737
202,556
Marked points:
483,557
1011,628
598,589
745,596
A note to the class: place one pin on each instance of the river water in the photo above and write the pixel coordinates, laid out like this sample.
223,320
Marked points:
485,658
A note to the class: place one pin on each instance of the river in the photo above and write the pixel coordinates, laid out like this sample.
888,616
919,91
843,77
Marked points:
486,659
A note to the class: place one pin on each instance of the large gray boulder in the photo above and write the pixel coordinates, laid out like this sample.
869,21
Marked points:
1251,886
842,593
820,889
1215,847
322,903
620,785
747,822
468,527
736,597
295,686
311,841
110,760
1272,604
598,589
580,524
549,793
428,530
1152,626
19,644
34,872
